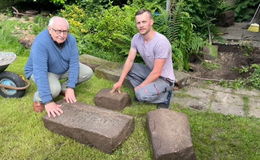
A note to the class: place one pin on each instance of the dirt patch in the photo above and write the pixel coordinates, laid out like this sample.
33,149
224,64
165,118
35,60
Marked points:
226,66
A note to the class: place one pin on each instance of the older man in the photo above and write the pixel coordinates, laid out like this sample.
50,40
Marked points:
54,56
153,81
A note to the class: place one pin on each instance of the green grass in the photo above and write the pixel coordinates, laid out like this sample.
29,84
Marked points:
211,65
8,42
246,105
23,135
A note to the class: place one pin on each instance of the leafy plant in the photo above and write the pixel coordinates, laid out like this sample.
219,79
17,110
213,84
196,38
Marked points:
184,40
203,14
252,81
106,33
247,48
210,65
39,24
245,9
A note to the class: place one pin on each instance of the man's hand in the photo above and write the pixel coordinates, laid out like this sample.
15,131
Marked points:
70,95
116,87
137,87
53,109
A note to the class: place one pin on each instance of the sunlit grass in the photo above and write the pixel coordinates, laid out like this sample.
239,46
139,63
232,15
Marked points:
23,135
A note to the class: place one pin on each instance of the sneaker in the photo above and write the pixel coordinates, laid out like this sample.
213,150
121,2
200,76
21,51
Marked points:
166,104
38,106
162,105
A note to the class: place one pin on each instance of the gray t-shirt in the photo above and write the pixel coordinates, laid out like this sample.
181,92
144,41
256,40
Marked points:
157,48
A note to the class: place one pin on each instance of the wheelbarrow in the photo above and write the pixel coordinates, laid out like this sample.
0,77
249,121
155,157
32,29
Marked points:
11,84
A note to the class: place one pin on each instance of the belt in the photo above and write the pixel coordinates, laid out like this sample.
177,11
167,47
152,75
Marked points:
167,80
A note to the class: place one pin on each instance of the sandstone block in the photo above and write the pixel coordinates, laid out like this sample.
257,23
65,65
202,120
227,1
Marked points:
104,129
170,135
113,101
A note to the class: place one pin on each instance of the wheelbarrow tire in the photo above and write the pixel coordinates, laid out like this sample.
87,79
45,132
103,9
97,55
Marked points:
11,79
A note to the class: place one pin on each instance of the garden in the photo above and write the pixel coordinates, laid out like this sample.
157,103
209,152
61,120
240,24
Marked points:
104,29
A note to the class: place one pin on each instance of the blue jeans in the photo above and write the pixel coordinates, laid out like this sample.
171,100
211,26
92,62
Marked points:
159,91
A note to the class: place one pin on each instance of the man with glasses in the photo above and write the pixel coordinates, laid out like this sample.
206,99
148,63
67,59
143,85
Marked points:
54,56
152,81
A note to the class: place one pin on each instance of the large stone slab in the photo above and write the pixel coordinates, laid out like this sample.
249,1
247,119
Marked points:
182,79
170,135
112,72
94,126
93,62
104,69
254,109
226,103
115,101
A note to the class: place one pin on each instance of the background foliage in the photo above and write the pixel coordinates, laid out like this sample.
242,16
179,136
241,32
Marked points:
104,28
245,9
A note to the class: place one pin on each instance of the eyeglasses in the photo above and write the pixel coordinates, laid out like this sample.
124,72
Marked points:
60,31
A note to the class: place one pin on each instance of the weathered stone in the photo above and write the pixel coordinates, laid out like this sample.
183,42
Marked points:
226,103
114,101
219,88
104,69
195,103
199,92
253,92
111,72
93,62
193,97
27,40
226,18
182,79
98,127
254,105
170,135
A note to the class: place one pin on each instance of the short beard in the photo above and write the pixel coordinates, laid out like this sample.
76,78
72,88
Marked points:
143,34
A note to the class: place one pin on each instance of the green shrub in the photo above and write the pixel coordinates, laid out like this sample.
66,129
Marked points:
254,79
105,33
185,41
39,24
245,9
203,13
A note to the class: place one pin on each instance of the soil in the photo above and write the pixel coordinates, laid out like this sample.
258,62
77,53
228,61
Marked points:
228,64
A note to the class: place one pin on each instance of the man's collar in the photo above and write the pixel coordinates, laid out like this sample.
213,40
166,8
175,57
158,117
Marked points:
60,45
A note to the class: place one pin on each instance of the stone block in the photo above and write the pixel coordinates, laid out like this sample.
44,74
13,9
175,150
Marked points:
93,62
226,19
227,104
170,135
104,129
111,72
182,79
114,101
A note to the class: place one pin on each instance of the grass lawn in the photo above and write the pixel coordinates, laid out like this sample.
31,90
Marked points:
23,136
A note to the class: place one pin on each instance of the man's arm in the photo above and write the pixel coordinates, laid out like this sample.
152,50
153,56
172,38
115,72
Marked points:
155,73
127,67
73,73
40,73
